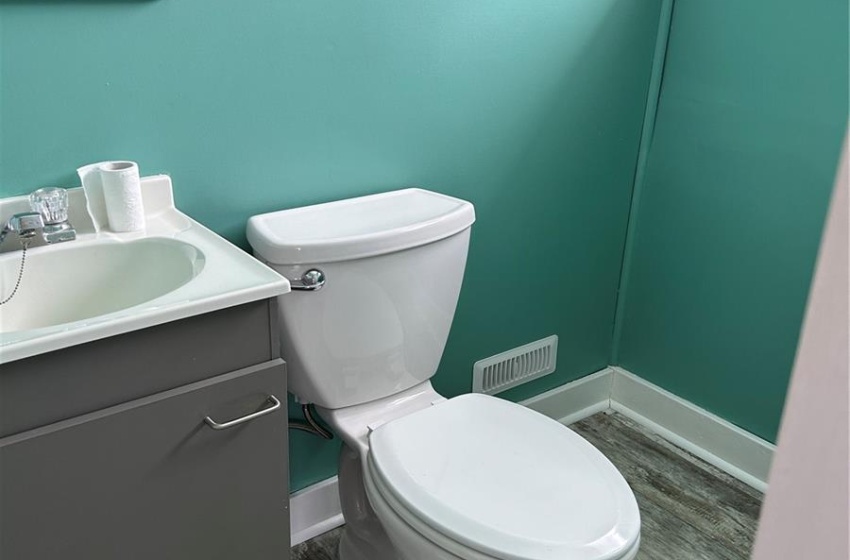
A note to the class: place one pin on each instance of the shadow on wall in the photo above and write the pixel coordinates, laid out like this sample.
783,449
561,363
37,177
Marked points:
737,186
551,225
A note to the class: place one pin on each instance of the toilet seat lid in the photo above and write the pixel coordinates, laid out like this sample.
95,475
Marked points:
506,481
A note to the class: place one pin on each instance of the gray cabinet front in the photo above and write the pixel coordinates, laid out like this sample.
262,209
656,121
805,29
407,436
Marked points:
150,480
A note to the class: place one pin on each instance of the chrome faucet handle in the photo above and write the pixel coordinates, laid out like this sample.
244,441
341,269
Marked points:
51,203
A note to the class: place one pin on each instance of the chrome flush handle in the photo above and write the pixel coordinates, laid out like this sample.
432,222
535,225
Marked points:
310,281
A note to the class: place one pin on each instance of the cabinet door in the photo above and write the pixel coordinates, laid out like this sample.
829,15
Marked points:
150,480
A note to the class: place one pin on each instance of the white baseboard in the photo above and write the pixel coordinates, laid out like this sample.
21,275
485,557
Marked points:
314,510
709,437
576,400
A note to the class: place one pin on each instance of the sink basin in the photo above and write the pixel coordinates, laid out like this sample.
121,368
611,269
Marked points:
105,283
85,281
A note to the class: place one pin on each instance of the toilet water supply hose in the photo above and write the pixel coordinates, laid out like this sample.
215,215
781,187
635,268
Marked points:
312,426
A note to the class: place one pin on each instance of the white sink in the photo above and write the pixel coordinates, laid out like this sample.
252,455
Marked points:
67,283
105,284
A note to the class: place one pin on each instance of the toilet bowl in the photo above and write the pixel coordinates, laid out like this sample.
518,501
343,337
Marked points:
423,477
479,477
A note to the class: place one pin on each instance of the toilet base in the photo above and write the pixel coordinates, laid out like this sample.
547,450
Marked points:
363,537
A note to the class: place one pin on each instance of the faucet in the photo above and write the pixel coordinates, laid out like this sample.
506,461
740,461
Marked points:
24,224
49,215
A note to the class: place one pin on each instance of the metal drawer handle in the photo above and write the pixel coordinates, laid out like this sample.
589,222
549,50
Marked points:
216,426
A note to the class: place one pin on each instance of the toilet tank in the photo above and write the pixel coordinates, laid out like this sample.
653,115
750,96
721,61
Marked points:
393,265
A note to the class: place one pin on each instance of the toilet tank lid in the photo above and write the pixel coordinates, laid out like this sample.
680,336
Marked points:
357,227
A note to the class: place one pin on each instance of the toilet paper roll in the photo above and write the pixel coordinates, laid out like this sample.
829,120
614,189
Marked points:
122,194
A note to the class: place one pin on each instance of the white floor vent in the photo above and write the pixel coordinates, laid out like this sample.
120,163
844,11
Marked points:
515,367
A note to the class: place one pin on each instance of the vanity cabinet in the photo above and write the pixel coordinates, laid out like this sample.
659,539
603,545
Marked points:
132,470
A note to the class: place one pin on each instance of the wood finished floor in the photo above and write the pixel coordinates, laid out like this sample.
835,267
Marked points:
689,509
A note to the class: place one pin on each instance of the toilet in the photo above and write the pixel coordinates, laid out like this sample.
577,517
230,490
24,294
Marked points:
376,280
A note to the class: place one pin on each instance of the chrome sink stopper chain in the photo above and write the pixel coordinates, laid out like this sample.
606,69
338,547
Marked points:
25,225
25,241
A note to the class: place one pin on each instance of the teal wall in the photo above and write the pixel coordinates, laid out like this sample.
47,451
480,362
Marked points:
751,116
531,109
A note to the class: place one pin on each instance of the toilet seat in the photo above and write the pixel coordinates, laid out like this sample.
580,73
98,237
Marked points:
503,481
